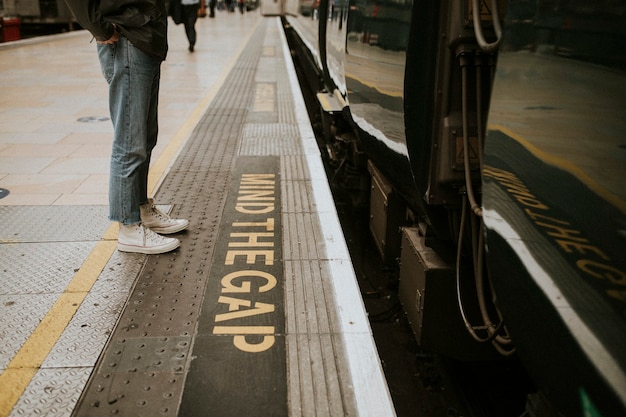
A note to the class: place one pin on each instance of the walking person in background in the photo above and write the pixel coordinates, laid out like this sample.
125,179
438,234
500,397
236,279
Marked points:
212,4
132,42
190,15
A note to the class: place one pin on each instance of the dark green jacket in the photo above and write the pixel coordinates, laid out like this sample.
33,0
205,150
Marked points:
142,22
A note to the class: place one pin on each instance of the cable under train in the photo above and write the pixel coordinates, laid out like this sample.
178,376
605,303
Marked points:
492,138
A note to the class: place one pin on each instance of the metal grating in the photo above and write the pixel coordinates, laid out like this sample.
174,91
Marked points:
57,385
48,266
52,223
52,392
85,336
20,316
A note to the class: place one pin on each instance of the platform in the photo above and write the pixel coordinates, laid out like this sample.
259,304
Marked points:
257,314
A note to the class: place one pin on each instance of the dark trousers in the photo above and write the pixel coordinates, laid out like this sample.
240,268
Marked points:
190,15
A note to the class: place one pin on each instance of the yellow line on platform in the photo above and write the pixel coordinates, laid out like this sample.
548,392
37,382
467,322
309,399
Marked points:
34,351
25,364
565,165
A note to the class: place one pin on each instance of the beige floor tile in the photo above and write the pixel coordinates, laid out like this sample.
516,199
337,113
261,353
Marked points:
24,165
96,183
92,150
25,137
89,138
55,131
38,150
29,199
82,200
78,166
39,183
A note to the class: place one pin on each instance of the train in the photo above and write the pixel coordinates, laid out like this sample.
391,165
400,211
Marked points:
39,12
486,138
22,19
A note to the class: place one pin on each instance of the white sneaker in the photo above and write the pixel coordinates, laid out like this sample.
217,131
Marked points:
139,239
159,222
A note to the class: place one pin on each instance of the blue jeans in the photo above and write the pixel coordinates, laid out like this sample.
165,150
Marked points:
133,77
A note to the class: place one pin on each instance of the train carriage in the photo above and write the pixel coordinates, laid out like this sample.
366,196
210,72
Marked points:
491,138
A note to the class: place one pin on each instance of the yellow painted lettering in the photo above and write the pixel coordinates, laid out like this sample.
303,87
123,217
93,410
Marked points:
234,304
267,225
240,333
569,247
252,240
619,295
254,208
537,216
602,271
531,202
256,195
245,287
498,174
257,309
243,330
271,185
561,232
250,256
257,179
242,344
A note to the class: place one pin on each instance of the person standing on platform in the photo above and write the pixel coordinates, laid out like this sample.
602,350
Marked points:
131,43
190,15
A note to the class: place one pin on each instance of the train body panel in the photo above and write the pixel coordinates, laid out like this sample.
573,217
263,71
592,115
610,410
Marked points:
365,44
375,59
555,198
304,20
540,158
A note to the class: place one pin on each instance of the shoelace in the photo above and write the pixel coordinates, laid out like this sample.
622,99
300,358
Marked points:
154,237
159,214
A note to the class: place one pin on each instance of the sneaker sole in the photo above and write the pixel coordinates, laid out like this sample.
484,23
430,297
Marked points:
168,230
152,250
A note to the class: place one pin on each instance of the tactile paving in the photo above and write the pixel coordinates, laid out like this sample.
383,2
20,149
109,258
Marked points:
144,393
156,354
161,309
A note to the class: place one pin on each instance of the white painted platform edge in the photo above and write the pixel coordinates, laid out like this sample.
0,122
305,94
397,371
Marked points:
370,387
